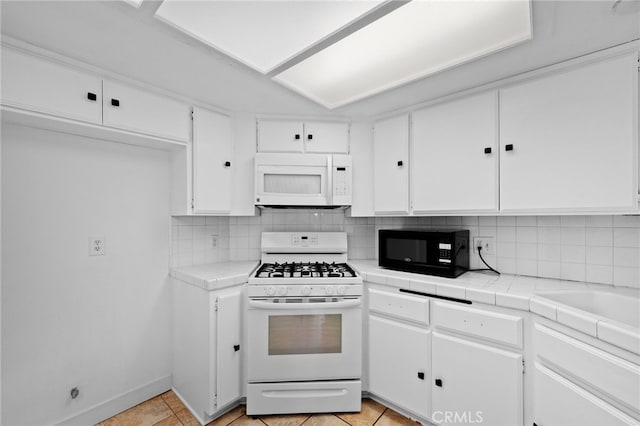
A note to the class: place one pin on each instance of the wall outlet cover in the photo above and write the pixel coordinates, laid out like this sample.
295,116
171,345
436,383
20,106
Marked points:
97,246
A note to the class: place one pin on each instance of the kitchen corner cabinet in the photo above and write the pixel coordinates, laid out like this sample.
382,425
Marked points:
391,165
568,140
36,84
399,350
207,352
212,162
454,156
579,384
298,136
129,108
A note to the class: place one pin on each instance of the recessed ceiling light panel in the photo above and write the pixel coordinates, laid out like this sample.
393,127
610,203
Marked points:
262,34
420,38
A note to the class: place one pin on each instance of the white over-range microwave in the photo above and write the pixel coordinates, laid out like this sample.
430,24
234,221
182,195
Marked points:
318,180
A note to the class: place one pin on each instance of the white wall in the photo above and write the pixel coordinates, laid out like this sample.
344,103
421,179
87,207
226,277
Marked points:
101,323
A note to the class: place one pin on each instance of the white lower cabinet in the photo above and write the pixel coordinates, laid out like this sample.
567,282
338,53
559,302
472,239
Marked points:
399,364
581,381
475,383
207,352
559,402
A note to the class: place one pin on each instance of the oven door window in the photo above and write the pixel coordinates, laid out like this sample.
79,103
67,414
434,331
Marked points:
305,334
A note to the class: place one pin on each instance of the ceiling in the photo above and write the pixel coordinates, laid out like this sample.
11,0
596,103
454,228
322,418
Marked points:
119,37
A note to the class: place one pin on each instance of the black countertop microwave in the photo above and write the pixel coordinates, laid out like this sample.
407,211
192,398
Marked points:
441,253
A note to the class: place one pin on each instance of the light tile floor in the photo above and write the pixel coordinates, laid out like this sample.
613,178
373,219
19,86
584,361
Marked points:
168,410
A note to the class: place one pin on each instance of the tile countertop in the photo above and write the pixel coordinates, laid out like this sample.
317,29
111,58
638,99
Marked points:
516,292
214,276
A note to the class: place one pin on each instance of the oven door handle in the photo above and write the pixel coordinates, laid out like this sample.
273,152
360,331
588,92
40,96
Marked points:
351,303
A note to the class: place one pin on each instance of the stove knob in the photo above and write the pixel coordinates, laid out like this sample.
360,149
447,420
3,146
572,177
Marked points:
329,289
271,290
306,290
282,290
341,289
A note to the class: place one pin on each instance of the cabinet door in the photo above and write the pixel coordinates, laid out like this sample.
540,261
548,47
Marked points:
571,139
212,162
280,136
39,85
323,137
454,156
399,364
228,350
475,382
129,108
558,402
391,165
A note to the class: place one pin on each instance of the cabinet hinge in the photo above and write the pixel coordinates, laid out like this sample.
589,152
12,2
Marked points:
191,115
193,204
216,305
523,366
215,401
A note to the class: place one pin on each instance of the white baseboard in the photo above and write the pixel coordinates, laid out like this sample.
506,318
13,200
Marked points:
117,404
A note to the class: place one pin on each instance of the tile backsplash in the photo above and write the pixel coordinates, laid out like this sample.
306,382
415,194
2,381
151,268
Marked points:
600,249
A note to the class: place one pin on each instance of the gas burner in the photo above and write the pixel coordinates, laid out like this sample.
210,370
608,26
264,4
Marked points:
305,270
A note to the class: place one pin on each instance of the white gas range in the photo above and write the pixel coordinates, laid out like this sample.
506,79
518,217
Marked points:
304,326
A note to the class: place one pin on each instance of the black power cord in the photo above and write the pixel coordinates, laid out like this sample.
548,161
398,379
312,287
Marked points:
488,268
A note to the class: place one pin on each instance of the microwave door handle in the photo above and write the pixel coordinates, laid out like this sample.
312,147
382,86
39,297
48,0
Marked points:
352,303
330,180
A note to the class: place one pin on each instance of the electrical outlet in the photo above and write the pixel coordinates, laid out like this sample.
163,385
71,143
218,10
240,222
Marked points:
213,241
485,242
97,246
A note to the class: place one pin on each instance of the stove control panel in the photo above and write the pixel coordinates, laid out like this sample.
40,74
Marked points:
304,240
321,290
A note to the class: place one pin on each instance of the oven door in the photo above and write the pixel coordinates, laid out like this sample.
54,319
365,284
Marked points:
304,339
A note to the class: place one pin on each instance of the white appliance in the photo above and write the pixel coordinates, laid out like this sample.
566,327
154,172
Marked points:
322,180
304,326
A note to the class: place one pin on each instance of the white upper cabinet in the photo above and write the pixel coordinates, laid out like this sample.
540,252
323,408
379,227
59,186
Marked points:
130,108
298,136
569,140
212,162
44,86
454,162
326,137
391,165
280,136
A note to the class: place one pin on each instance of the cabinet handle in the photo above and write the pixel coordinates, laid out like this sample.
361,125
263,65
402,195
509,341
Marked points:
508,147
420,375
400,163
309,137
91,96
439,383
115,102
227,163
487,150
236,348
297,136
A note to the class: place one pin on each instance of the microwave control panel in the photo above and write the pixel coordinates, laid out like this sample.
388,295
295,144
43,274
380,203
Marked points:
444,253
341,176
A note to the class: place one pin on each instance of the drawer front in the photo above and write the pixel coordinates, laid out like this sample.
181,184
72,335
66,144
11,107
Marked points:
615,377
398,305
501,328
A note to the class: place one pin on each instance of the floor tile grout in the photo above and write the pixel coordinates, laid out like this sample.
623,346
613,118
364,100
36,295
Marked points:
379,417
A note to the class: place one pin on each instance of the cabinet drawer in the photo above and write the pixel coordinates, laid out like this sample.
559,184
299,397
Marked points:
501,328
613,376
40,85
406,307
129,108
